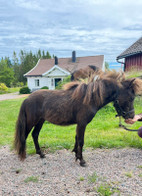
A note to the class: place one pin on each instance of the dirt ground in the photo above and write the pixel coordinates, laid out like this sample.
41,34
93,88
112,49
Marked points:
117,171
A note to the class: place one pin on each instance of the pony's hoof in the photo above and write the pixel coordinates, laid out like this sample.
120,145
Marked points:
42,156
82,163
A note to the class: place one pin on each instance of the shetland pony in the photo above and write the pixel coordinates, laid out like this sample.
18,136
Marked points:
85,72
77,104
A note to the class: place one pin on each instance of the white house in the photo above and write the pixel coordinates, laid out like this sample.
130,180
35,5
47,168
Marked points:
48,72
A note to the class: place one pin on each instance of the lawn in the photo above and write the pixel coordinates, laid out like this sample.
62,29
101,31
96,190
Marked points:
11,90
102,132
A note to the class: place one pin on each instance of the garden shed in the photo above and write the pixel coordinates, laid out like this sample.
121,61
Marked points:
132,56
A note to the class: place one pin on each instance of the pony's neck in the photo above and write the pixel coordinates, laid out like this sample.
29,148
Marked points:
108,92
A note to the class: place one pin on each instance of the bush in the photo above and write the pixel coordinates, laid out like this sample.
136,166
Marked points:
62,83
25,90
3,88
45,87
17,84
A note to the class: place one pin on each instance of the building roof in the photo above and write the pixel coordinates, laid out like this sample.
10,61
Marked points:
44,65
135,48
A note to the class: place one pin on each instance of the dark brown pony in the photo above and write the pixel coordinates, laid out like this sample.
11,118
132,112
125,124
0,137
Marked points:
86,72
76,104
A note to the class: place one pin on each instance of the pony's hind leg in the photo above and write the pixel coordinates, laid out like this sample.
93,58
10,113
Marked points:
35,135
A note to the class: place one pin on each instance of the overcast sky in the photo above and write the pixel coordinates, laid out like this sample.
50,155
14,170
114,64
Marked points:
91,27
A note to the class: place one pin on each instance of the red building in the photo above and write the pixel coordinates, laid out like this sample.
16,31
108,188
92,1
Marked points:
132,56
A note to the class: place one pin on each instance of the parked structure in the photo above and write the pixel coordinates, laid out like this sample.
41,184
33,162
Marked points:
132,56
48,72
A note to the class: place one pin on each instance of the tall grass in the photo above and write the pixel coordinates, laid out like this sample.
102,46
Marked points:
133,73
102,132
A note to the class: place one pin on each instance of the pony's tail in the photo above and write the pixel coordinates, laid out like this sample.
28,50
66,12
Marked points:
20,140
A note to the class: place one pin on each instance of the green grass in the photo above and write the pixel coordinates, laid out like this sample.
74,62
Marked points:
102,132
92,178
31,179
81,178
139,166
11,90
133,73
106,190
129,174
140,175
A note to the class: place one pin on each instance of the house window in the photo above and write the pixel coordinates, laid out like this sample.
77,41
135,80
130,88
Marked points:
37,82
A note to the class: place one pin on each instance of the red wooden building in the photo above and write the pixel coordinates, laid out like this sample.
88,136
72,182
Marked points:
132,56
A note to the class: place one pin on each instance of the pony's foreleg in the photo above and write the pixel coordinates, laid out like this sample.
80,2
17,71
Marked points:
79,143
75,146
35,135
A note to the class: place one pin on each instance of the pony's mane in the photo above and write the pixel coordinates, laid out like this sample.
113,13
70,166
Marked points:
71,85
84,90
118,76
137,86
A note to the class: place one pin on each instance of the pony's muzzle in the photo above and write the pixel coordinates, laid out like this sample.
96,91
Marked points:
129,114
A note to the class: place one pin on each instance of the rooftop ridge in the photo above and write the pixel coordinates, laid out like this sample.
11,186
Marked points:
134,48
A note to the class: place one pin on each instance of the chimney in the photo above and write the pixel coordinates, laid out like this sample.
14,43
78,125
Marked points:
73,56
56,60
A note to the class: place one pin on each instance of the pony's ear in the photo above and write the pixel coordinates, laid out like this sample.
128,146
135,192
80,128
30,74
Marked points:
131,83
136,85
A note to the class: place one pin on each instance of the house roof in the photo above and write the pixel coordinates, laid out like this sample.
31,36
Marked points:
135,48
44,65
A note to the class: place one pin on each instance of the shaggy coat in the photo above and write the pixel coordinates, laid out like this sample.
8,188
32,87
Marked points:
77,104
86,72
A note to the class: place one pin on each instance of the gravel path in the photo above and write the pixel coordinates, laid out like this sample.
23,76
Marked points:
11,96
59,174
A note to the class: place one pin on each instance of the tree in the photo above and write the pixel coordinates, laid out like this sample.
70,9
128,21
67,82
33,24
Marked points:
12,72
15,68
6,73
107,65
48,56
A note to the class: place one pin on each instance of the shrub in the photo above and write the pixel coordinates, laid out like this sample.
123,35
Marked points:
45,87
62,83
25,90
17,84
3,88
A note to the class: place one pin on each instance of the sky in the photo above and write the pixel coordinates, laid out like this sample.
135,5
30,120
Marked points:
90,27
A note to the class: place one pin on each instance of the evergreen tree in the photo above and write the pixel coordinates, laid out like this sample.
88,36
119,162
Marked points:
6,73
13,72
15,68
107,65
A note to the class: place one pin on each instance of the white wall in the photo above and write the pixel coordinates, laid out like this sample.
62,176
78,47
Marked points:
43,81
46,80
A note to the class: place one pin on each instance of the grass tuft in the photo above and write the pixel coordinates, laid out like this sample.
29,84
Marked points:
81,178
139,166
31,179
106,190
92,178
129,174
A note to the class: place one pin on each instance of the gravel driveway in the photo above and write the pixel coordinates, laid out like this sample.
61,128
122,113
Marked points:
58,174
11,96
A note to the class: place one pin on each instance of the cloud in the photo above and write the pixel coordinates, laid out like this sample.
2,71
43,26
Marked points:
30,4
90,27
